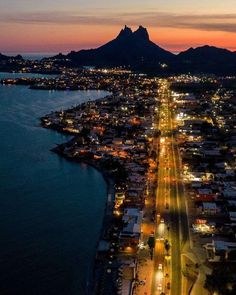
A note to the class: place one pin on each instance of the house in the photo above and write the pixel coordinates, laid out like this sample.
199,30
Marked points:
232,216
119,199
219,250
127,273
131,232
205,195
229,193
208,208
117,141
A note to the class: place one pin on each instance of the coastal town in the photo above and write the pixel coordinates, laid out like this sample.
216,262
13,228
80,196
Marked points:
167,149
118,147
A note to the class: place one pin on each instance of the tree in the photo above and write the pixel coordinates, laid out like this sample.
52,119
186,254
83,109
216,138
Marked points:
167,246
232,255
219,280
151,242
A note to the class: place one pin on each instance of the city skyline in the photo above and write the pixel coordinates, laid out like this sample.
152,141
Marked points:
174,25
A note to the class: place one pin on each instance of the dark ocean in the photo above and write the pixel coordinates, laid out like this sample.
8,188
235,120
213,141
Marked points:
51,210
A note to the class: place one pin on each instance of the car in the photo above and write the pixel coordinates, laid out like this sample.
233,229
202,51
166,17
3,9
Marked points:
160,266
142,245
159,287
142,282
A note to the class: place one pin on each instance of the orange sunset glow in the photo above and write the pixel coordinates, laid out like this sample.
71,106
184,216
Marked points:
174,25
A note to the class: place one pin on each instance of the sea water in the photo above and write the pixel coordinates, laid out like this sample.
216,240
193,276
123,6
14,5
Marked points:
51,210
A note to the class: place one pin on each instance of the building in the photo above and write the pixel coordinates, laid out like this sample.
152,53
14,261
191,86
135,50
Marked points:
131,232
219,250
208,208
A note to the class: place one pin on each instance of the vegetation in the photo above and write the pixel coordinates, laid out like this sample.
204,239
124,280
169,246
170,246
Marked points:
222,280
151,242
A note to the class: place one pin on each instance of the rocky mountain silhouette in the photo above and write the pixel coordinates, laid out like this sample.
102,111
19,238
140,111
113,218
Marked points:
10,63
206,59
7,58
129,48
136,51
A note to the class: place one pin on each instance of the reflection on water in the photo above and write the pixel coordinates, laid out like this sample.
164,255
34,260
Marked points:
47,205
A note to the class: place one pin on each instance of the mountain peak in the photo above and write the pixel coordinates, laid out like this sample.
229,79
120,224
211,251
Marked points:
142,33
126,32
136,51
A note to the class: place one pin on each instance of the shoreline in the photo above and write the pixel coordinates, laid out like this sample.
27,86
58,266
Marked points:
107,213
114,135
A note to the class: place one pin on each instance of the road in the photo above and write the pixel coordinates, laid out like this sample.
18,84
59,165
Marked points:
171,219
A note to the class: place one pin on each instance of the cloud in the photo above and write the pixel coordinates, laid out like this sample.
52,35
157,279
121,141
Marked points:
59,18
217,22
206,22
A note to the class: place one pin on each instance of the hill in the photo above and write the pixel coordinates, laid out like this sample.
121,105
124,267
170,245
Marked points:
7,58
207,59
129,48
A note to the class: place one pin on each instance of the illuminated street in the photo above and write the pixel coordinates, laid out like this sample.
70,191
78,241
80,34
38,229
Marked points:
171,220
